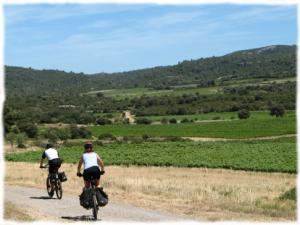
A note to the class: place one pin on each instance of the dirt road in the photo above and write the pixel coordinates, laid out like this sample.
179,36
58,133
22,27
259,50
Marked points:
40,206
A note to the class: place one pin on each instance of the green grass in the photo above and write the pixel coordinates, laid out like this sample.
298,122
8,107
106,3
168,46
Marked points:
184,89
270,156
289,195
220,115
138,92
260,125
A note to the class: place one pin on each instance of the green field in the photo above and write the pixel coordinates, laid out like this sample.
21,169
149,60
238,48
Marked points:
185,89
261,125
219,116
270,156
138,92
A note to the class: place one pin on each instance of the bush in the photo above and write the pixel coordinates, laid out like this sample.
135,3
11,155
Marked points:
106,136
21,139
164,120
173,120
28,128
216,118
84,133
52,135
143,121
174,138
289,195
103,121
145,137
185,120
243,114
277,111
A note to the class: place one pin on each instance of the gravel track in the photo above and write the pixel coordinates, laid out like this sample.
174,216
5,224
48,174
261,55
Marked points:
37,203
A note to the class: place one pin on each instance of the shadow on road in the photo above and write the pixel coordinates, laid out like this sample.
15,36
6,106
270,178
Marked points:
42,197
79,218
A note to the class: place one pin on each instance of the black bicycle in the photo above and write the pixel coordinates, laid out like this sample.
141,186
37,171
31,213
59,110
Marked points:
53,184
93,190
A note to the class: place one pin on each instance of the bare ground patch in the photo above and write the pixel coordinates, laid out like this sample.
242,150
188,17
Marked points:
212,194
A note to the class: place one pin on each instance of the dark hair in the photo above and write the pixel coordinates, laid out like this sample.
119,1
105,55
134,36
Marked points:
88,145
49,145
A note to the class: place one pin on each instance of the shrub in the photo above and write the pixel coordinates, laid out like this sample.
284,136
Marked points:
277,111
103,121
84,133
145,137
216,118
173,120
174,138
290,195
28,128
106,136
164,120
185,120
21,139
243,114
143,121
52,135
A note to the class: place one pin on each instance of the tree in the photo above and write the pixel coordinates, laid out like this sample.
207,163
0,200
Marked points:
164,120
11,138
173,120
28,128
277,111
21,140
143,121
52,135
243,114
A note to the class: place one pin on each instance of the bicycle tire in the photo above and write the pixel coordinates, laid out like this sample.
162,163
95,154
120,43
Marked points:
95,206
49,187
58,189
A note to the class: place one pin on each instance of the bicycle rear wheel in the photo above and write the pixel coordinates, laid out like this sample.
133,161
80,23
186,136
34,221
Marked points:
49,187
58,189
95,206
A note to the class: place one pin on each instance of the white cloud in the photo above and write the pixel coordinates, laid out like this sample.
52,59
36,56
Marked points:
172,19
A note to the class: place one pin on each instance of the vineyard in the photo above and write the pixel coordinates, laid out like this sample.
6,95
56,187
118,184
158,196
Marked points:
260,126
269,156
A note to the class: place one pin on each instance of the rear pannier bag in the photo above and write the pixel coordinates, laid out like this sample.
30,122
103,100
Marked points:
102,197
62,176
86,199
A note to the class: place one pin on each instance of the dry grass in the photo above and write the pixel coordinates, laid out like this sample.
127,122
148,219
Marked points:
212,194
12,212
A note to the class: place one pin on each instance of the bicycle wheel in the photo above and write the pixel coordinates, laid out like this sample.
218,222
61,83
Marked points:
49,187
58,189
95,206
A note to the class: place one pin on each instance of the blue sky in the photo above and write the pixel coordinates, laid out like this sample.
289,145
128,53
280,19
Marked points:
94,38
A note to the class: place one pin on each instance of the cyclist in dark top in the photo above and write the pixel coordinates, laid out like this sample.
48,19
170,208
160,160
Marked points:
53,158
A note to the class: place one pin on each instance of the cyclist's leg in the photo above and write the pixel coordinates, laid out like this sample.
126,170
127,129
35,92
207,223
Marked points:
86,184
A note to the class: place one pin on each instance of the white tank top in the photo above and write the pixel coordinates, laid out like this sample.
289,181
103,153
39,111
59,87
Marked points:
89,159
51,153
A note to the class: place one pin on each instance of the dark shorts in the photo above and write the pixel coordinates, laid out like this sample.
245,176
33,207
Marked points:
93,171
54,165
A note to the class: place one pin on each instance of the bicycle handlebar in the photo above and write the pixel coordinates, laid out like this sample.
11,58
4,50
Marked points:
44,167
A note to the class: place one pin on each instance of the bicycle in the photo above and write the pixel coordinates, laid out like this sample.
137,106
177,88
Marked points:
93,189
53,183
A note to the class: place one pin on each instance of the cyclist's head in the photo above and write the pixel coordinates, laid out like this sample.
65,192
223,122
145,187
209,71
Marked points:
49,145
88,146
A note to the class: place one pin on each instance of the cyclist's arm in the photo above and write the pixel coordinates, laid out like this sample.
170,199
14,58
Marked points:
42,159
41,162
79,165
100,163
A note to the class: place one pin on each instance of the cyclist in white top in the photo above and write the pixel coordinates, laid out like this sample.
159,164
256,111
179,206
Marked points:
53,158
91,161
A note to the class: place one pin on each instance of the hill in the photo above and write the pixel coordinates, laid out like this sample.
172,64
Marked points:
276,61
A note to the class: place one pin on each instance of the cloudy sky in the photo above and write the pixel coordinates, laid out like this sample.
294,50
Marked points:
94,38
